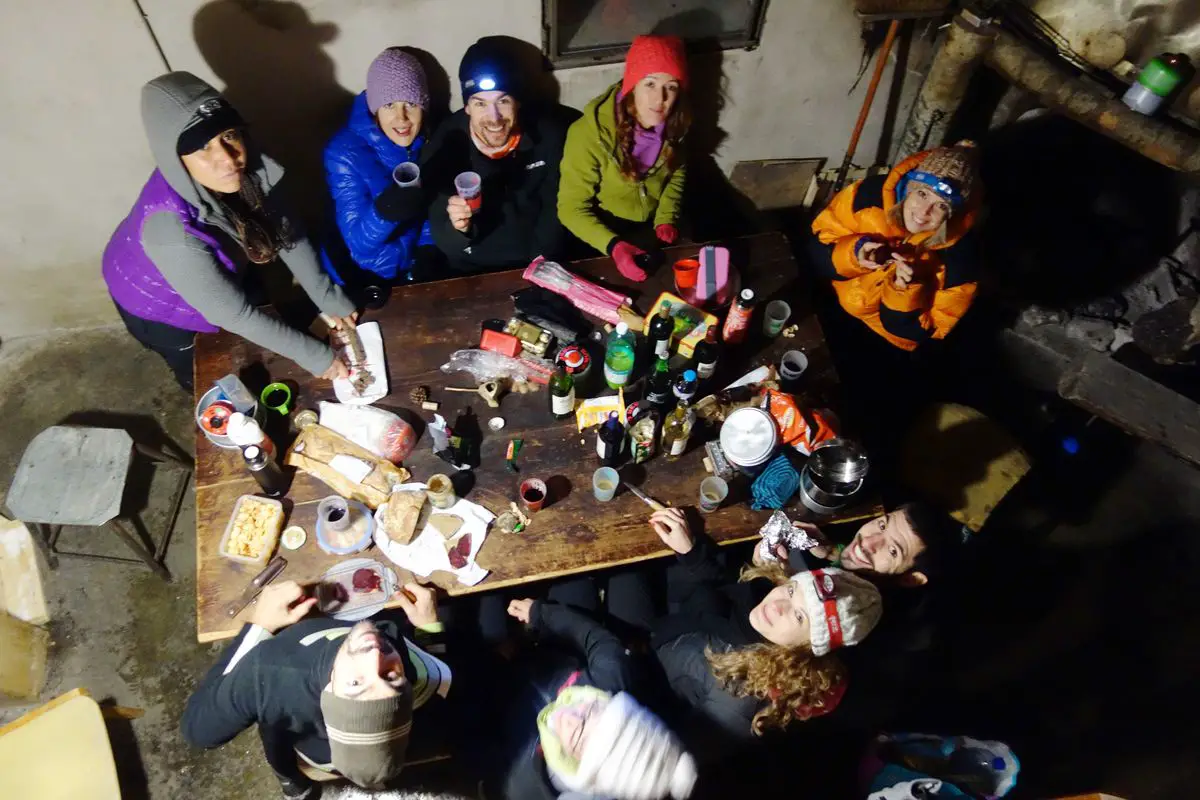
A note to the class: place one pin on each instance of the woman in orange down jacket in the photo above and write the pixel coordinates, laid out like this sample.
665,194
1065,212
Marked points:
899,248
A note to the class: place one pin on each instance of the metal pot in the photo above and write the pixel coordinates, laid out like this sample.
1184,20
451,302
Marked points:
834,473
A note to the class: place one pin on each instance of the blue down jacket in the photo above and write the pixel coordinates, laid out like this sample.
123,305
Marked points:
359,160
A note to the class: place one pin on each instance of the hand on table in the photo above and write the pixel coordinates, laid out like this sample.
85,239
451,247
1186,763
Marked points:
459,213
623,254
520,609
666,233
423,609
672,527
280,605
337,369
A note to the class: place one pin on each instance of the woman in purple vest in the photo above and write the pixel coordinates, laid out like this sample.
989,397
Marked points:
175,265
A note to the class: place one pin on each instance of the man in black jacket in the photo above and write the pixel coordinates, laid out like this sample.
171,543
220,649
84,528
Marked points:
515,151
339,695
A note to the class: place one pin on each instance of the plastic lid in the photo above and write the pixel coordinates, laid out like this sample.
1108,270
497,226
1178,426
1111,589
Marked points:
747,294
252,451
574,358
689,374
749,436
622,329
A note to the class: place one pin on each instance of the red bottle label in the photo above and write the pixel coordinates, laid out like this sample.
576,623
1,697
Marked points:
737,323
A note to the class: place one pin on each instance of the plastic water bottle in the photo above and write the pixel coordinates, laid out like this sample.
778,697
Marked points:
619,357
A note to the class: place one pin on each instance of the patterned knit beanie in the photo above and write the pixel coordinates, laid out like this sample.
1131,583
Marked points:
842,607
396,76
650,54
948,171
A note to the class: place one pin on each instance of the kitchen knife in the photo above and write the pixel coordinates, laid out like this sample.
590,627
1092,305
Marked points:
273,568
650,501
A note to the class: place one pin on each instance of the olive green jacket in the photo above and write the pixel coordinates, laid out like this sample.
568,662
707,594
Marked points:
591,179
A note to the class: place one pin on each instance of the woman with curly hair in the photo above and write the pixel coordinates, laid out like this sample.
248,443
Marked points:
622,171
751,656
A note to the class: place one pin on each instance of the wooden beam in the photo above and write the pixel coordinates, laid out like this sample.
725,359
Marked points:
1134,403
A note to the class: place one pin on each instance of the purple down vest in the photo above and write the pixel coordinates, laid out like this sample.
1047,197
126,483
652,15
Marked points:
134,282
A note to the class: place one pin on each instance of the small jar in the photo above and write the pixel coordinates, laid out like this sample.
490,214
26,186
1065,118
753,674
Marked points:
441,492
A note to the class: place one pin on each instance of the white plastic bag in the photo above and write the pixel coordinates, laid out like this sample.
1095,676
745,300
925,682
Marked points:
380,431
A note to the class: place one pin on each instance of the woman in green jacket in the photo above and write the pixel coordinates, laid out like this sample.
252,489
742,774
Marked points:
622,171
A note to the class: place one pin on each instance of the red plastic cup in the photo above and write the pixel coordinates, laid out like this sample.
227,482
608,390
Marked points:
686,271
469,186
533,495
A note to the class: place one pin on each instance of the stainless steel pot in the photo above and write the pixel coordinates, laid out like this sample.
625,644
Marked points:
834,473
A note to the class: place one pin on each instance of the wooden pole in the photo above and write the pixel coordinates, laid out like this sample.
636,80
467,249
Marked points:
864,112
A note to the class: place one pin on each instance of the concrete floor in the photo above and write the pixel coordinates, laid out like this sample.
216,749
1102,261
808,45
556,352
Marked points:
1079,648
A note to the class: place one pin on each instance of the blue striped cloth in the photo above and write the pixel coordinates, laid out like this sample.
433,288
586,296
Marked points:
775,485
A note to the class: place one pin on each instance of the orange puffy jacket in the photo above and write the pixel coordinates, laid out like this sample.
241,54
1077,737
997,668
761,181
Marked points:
944,274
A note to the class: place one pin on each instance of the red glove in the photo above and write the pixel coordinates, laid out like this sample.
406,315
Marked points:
623,254
667,234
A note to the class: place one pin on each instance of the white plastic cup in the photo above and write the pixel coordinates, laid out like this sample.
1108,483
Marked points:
604,483
469,186
713,492
775,317
792,365
407,175
334,513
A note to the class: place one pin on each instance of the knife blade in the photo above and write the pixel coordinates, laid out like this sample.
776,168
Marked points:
275,566
650,501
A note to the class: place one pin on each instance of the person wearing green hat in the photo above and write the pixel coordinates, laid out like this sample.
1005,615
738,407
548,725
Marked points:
340,696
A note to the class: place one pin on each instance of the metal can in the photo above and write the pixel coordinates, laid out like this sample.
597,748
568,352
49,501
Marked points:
576,360
642,438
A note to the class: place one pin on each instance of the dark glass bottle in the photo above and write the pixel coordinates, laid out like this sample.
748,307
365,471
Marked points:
562,394
661,328
707,354
658,385
609,440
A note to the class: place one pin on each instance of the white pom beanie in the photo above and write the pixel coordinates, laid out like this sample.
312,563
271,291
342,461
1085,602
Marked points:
842,607
631,755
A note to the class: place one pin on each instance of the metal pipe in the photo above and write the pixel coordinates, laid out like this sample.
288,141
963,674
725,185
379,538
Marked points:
865,111
1092,106
967,41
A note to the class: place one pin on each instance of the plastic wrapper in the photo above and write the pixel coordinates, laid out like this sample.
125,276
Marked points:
779,530
485,366
380,431
583,294
802,429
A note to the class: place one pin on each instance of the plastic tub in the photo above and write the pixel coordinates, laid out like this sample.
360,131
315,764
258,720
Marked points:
207,399
357,536
273,529
749,438
357,605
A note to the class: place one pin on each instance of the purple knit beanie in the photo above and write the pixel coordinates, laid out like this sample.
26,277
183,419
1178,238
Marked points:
396,76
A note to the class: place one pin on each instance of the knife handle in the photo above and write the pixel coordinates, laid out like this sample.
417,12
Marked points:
274,567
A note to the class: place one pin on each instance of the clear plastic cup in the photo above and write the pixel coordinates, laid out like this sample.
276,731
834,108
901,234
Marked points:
604,483
792,365
407,175
533,494
713,492
775,317
469,187
334,512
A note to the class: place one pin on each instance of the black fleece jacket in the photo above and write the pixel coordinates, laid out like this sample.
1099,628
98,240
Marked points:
518,218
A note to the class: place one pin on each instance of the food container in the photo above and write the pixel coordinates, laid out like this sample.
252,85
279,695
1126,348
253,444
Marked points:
273,524
749,438
339,582
354,538
214,395
833,474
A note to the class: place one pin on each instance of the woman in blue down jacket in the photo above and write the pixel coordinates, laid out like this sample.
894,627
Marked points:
381,224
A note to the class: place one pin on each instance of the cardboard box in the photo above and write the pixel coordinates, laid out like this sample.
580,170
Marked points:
691,324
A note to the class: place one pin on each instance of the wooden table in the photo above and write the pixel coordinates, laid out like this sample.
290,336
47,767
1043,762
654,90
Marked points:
422,325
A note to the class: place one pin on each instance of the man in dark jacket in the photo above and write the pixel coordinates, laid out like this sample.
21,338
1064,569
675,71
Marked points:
515,151
337,695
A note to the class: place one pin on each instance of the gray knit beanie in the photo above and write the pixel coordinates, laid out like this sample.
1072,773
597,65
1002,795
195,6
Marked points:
368,738
396,76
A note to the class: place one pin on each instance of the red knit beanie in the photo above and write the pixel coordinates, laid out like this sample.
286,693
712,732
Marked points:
650,54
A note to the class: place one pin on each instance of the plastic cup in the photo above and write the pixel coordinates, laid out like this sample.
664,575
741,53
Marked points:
533,495
792,365
334,512
775,317
407,175
604,483
713,492
469,187
686,272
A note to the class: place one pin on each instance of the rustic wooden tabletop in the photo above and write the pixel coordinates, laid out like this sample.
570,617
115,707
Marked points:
422,325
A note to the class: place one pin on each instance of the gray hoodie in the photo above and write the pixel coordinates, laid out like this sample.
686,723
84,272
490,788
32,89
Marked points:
191,267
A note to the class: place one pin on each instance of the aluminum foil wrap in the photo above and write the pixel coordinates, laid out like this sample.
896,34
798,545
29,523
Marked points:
779,530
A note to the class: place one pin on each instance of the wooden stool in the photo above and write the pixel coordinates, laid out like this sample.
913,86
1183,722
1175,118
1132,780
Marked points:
74,475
